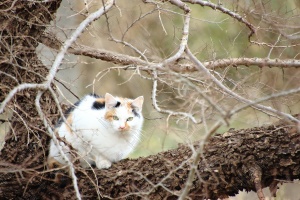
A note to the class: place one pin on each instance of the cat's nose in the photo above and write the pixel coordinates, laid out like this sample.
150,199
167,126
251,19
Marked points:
122,127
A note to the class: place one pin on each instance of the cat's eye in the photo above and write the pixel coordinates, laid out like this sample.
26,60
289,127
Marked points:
129,118
115,118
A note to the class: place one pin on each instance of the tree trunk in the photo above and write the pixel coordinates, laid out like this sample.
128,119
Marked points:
244,159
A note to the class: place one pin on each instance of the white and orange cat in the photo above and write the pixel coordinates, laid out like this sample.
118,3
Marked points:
100,131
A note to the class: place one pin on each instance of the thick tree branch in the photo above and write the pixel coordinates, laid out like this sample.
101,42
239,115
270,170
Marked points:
109,56
121,59
248,159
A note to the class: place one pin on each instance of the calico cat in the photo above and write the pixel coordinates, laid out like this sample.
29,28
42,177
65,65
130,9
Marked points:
98,131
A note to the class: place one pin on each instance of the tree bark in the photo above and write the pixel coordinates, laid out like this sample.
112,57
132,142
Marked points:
248,159
243,159
22,23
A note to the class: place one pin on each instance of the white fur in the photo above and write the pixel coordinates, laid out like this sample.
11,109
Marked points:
95,139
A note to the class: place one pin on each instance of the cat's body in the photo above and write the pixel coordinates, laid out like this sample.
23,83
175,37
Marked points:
101,130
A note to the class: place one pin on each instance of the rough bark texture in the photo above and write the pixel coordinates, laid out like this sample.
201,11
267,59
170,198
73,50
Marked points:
22,23
230,161
236,160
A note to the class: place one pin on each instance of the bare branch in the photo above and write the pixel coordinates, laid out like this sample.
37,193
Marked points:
74,36
185,33
105,55
235,62
18,89
226,11
122,59
238,97
196,159
169,112
56,142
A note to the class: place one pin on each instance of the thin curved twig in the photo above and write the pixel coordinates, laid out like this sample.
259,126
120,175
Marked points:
233,94
225,11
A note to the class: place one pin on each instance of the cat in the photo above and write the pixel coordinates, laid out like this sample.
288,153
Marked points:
98,131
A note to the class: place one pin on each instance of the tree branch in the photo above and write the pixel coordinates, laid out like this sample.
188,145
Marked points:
226,11
235,62
227,165
51,41
122,59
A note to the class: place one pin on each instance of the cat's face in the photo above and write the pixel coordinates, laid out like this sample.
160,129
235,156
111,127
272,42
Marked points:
124,114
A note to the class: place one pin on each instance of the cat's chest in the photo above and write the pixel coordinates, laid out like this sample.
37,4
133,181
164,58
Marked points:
103,141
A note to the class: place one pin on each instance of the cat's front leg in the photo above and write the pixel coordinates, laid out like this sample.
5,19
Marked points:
102,162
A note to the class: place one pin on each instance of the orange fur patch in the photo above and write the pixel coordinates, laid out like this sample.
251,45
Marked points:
126,127
109,115
69,123
53,163
128,106
100,100
121,99
59,177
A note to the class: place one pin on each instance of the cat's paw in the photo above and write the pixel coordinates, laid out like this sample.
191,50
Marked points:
103,164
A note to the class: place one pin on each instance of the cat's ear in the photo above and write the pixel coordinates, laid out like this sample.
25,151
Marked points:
138,103
110,101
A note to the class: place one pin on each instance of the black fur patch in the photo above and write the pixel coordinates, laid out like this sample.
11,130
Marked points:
98,105
118,104
67,113
135,113
95,95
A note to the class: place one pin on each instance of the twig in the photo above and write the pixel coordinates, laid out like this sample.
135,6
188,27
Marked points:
17,89
169,112
105,55
182,46
196,160
74,36
56,142
67,88
233,94
122,41
185,33
272,96
226,11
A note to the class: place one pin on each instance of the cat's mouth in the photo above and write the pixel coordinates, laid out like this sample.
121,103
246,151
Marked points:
124,132
123,129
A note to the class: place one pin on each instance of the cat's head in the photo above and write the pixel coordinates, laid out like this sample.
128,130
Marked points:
124,114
